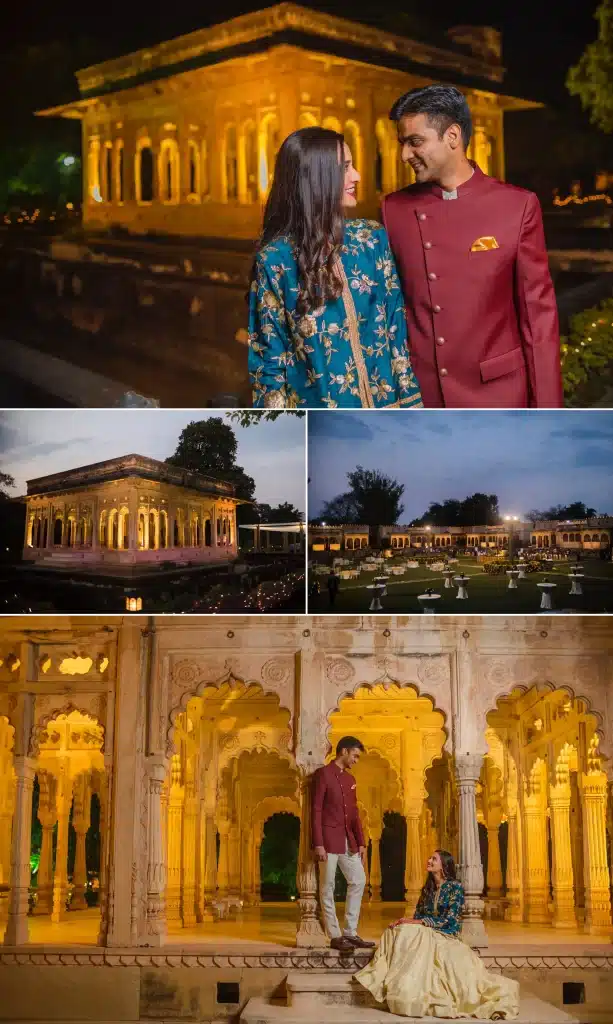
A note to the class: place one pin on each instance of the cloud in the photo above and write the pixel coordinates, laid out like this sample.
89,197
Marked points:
342,426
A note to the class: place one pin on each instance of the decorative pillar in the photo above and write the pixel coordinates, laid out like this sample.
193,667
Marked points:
595,867
247,849
188,853
536,857
210,868
234,860
174,831
103,893
80,822
223,871
256,884
414,869
16,933
470,868
47,815
513,911
375,864
214,526
562,860
494,864
156,868
310,931
60,878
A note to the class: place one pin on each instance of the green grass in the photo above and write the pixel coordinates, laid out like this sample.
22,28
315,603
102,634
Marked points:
486,594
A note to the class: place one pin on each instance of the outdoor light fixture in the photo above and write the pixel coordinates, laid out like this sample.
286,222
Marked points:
69,161
134,604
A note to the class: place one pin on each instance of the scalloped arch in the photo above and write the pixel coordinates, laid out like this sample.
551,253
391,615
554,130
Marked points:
39,727
235,754
228,678
274,805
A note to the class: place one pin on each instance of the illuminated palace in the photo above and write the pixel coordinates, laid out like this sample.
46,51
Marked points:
182,137
127,514
147,765
565,535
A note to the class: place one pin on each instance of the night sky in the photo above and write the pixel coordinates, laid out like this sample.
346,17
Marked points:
540,39
34,443
529,459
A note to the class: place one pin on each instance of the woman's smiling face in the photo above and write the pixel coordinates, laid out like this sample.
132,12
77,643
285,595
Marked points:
350,180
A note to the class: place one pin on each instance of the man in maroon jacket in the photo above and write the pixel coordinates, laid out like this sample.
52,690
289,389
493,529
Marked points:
338,839
471,255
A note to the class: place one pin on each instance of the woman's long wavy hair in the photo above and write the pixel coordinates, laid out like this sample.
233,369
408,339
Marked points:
306,203
449,871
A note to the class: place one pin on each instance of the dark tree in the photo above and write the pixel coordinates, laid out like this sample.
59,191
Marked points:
591,79
476,510
209,447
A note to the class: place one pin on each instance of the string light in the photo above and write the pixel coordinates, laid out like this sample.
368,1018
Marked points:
581,200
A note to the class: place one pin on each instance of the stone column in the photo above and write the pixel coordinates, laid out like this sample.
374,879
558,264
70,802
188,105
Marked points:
16,933
156,859
536,860
375,864
173,889
562,861
188,873
595,867
256,867
234,861
6,818
494,864
214,526
103,902
60,879
413,869
47,815
209,888
470,868
247,849
513,910
223,868
310,931
80,822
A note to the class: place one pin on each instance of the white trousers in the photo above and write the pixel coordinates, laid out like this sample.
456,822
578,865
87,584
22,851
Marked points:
353,870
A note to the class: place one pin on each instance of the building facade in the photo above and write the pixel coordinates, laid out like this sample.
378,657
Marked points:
181,138
126,513
588,535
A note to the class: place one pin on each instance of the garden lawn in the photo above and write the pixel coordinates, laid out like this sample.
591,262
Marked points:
486,594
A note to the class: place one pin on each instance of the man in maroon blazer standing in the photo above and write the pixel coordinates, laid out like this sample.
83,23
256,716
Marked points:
338,839
481,309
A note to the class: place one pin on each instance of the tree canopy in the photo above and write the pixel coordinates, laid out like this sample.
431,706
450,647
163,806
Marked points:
576,510
372,499
591,79
210,447
475,510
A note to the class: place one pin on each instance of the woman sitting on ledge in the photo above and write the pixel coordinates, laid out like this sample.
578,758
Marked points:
423,969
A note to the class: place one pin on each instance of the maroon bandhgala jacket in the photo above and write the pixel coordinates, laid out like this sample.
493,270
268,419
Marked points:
334,813
481,309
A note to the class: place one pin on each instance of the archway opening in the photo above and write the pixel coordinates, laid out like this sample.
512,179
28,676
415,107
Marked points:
279,857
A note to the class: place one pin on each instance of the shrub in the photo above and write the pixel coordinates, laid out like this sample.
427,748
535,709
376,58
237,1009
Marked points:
588,349
496,567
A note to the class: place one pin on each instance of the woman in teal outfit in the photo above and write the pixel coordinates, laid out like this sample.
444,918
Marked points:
326,318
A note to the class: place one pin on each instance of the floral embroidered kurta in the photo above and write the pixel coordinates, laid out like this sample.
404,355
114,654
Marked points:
444,914
350,353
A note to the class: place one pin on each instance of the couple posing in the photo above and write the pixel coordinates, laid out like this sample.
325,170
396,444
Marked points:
328,325
421,968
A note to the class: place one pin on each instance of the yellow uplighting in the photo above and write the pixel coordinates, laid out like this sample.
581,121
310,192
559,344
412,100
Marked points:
102,663
45,663
75,665
580,200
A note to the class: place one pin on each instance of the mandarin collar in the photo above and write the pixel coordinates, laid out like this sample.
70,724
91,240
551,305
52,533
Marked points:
476,180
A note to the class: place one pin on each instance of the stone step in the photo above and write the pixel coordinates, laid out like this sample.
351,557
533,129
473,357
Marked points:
532,1010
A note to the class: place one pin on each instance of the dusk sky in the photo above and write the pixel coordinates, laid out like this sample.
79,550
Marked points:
530,459
37,442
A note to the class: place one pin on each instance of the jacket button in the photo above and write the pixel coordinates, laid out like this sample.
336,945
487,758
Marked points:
432,276
443,372
421,216
436,309
427,245
440,341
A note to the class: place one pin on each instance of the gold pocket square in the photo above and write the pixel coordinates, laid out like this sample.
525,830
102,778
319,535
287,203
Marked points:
484,243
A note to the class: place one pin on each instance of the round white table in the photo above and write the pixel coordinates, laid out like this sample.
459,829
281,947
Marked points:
513,575
448,574
546,589
381,581
462,594
576,587
375,605
521,569
428,602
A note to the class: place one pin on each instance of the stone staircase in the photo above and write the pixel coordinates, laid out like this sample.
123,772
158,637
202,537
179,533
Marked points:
328,998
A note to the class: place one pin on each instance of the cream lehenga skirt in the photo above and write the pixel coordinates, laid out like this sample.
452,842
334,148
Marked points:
417,972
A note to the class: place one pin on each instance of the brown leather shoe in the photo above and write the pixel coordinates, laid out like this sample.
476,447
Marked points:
342,944
359,943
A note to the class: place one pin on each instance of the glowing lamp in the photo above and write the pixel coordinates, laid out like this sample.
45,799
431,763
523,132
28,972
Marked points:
69,161
134,604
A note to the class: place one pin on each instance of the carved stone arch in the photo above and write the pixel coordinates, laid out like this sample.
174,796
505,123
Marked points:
585,692
189,680
274,805
94,711
234,753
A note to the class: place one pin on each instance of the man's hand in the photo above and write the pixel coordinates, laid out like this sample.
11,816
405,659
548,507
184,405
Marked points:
320,853
362,852
404,920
